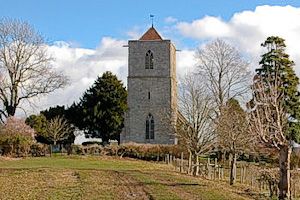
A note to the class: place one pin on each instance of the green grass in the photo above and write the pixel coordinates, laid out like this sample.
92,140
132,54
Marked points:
88,177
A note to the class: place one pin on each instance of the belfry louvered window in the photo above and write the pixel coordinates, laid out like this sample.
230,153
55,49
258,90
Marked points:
150,127
149,60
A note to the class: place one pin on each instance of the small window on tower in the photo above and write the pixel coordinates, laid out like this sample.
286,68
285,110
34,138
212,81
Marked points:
148,95
150,127
149,60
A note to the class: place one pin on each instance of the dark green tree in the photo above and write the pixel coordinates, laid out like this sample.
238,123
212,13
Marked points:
53,112
74,114
103,106
276,63
39,124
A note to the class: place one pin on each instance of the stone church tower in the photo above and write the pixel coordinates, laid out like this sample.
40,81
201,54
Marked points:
152,91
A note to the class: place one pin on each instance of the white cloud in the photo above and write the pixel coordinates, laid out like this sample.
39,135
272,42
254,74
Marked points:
170,20
186,62
248,29
208,27
83,66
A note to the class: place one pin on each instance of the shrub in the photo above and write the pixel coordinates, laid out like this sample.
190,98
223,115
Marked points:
295,159
143,151
132,150
16,137
91,143
39,149
77,149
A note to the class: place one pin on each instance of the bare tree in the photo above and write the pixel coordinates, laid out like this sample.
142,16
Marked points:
25,66
195,126
224,72
232,131
269,123
57,130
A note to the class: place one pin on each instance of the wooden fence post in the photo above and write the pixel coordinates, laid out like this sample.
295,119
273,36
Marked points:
181,162
241,174
208,169
50,150
295,189
215,168
222,173
245,174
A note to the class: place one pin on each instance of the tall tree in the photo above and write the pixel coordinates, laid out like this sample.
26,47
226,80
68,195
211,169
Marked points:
103,106
53,112
74,114
195,128
276,63
274,118
224,71
25,66
232,131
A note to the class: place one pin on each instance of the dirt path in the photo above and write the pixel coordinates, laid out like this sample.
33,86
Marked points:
187,187
129,188
175,187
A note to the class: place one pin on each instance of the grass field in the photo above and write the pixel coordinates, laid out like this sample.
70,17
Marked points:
79,177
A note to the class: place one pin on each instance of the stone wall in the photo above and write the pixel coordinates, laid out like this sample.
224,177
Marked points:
160,82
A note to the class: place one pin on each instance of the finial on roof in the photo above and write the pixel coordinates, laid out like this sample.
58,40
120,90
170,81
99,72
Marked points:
151,17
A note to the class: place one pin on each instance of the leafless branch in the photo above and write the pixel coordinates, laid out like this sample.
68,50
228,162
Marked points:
195,127
57,129
268,118
25,66
224,72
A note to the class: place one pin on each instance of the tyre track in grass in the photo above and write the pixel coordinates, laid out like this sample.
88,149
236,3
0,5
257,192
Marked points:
189,187
130,188
161,188
172,186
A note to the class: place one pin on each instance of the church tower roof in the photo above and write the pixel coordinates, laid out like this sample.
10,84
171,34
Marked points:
151,34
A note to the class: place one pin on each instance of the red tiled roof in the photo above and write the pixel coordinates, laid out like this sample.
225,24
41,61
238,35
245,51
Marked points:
151,34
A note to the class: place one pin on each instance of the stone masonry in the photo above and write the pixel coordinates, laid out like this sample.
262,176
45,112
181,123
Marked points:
151,91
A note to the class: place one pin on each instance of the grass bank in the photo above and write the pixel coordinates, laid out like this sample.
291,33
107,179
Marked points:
90,177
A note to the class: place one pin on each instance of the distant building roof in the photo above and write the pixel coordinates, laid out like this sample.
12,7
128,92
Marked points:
151,34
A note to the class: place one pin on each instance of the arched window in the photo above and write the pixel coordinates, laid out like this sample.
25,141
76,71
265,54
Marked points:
150,127
149,60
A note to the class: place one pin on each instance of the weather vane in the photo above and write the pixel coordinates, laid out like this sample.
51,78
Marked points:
151,17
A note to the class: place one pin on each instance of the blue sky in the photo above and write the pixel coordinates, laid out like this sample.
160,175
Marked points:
84,23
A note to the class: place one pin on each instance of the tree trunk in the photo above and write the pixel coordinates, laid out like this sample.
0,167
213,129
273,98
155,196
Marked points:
230,159
190,163
105,140
284,166
223,156
197,165
11,110
233,169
